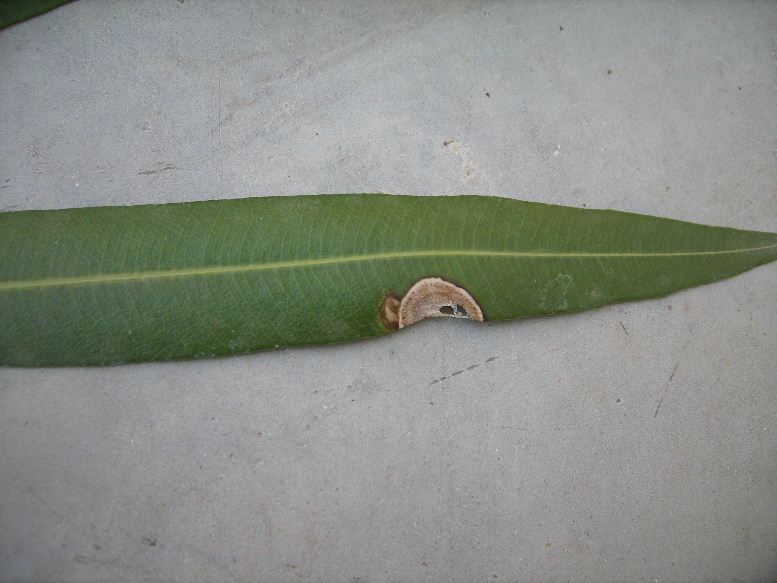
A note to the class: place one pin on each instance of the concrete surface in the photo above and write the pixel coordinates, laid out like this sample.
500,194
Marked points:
632,443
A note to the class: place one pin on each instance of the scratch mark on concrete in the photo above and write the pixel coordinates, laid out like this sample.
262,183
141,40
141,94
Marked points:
749,207
469,368
624,327
666,390
157,170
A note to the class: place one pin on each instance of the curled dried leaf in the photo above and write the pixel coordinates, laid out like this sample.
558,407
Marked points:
430,297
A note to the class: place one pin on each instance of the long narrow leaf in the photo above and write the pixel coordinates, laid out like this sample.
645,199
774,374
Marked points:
109,285
13,11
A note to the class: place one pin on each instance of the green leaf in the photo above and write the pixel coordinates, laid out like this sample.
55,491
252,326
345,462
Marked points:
108,285
13,11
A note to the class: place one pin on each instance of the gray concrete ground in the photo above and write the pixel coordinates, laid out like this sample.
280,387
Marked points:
631,443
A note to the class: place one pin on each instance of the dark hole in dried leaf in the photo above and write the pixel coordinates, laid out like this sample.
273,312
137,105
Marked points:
429,297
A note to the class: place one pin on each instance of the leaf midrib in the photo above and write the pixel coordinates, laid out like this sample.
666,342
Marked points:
296,263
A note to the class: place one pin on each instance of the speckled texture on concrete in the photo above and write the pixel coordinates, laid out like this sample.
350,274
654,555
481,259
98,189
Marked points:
631,443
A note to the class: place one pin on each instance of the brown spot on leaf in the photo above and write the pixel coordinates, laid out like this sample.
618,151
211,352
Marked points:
390,311
430,297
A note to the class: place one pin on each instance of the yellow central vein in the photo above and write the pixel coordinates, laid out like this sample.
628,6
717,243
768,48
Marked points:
296,263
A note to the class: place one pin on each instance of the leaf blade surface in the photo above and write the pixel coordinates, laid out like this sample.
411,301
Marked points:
107,285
